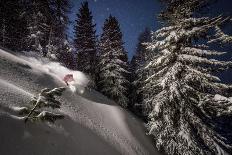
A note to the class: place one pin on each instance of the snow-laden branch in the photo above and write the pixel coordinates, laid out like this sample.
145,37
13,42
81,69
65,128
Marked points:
220,36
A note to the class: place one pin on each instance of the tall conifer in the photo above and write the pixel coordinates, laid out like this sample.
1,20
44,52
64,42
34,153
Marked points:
113,63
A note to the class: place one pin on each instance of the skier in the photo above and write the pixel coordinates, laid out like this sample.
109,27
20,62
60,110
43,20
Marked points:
68,78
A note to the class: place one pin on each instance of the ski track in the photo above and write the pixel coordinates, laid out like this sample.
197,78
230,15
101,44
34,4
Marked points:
107,134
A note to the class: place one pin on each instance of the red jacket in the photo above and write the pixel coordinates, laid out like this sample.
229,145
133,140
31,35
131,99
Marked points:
68,78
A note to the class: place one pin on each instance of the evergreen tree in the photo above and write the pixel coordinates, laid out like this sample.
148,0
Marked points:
189,102
37,15
138,74
57,39
113,63
85,41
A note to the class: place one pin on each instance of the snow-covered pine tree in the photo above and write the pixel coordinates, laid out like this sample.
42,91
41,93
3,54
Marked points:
57,39
37,16
85,41
113,63
184,91
138,74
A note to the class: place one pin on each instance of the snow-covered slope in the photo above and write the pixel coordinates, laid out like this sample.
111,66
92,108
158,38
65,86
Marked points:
93,124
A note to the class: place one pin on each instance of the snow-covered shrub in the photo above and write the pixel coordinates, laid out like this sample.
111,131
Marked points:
45,99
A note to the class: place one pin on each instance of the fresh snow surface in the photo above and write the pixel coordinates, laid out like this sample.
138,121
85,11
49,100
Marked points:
93,124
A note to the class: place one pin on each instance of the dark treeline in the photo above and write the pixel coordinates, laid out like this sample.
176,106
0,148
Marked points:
36,25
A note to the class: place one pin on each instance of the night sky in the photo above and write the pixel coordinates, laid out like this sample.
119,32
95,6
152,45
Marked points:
133,15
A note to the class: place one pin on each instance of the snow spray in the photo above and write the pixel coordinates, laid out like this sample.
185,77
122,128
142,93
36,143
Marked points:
57,70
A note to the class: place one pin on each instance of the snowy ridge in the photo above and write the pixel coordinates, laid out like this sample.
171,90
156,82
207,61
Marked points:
93,124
